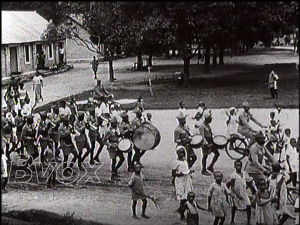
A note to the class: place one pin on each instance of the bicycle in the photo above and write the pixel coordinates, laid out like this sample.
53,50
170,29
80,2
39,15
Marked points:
237,143
292,194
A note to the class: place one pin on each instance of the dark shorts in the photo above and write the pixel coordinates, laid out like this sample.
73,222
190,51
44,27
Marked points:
208,150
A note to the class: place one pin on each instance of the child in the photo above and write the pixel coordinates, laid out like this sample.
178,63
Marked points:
292,159
277,188
137,191
4,174
191,205
218,199
50,160
238,185
265,213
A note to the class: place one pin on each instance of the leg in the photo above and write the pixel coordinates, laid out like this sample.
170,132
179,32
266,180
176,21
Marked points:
141,154
129,161
233,210
275,93
144,206
216,220
75,154
121,161
53,178
4,183
96,158
181,209
248,211
222,220
204,159
134,203
136,155
283,219
214,159
113,168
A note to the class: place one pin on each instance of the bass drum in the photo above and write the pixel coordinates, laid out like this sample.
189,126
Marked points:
146,137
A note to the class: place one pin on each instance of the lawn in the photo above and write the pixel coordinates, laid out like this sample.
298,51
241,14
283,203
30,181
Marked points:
243,78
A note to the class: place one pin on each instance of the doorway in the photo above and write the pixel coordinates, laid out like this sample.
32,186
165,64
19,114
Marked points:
13,60
40,60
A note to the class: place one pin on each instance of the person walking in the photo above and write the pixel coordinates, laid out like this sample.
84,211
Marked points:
272,83
95,64
37,87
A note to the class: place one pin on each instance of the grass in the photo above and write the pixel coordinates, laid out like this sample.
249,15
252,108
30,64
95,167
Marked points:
41,217
226,86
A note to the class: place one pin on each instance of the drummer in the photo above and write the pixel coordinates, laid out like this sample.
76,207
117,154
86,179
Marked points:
135,123
208,147
111,139
182,137
126,131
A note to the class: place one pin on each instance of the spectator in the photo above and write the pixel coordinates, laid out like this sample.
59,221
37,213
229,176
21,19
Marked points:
272,83
37,87
95,64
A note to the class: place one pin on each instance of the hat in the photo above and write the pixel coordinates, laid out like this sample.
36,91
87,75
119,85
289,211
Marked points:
259,135
181,116
207,115
25,112
231,109
201,103
246,104
179,148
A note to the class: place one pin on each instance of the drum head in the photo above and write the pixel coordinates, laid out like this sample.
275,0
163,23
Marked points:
220,141
146,137
124,145
196,139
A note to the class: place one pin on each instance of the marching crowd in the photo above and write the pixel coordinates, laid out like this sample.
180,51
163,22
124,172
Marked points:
272,163
271,160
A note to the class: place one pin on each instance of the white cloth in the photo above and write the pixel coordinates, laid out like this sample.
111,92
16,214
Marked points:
103,108
232,125
37,80
28,107
293,158
64,111
4,166
273,80
181,111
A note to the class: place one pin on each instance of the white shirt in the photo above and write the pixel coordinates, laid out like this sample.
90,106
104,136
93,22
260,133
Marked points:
273,80
293,158
64,111
181,111
28,107
37,80
232,125
103,108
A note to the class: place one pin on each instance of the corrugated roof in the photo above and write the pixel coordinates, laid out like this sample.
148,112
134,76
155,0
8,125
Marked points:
21,26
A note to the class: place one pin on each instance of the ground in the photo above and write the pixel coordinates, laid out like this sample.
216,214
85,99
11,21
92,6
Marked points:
110,203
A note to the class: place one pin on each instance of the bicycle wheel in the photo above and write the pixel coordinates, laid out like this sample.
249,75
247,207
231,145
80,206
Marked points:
292,195
238,150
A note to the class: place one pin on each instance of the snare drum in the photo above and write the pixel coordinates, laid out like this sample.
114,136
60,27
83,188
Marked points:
125,145
196,141
220,141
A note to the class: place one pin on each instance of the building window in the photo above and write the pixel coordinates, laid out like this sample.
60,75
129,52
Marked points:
50,51
27,53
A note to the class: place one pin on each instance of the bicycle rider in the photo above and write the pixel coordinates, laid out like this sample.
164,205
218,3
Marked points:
254,166
244,127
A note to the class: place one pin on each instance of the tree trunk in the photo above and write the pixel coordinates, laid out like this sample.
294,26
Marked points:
215,57
207,60
221,56
186,71
167,54
150,60
110,68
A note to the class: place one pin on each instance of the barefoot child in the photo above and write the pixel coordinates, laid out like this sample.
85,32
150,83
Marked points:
265,213
239,194
137,191
191,207
277,188
218,199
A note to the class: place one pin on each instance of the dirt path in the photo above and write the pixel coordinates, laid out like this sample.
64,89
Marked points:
110,202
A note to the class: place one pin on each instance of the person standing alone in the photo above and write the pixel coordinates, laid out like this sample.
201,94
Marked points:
272,83
95,64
